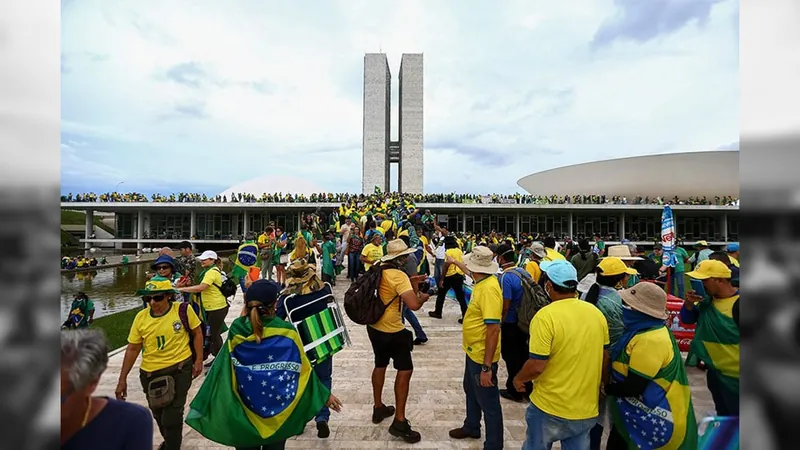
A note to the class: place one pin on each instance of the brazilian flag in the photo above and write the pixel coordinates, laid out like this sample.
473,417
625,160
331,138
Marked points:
258,393
716,343
246,257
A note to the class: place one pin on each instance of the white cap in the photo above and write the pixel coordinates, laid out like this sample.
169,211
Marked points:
208,254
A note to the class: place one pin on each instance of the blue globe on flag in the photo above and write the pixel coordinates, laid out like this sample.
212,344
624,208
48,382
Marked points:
267,374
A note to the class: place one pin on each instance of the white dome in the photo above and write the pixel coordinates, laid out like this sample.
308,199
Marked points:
273,184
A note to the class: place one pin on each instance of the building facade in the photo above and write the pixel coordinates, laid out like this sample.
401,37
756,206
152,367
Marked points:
140,225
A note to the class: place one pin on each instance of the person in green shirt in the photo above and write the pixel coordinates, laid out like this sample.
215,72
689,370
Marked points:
681,257
328,253
81,312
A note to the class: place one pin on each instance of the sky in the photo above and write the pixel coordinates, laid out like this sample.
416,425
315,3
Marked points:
197,96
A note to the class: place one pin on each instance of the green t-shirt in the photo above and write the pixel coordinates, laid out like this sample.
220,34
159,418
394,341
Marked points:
680,255
84,307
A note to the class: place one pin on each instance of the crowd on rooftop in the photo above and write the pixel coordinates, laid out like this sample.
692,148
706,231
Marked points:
279,197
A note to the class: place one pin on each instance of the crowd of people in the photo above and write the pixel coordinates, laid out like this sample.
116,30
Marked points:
519,300
451,198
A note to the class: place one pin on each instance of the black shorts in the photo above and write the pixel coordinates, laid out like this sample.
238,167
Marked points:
394,346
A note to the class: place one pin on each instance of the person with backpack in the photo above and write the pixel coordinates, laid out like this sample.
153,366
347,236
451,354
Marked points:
513,341
301,299
212,298
389,338
172,355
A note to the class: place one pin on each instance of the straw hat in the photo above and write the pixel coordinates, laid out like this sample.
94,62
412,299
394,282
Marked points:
647,298
481,261
396,248
622,252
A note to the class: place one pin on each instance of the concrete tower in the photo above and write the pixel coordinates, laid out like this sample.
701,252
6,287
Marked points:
379,151
377,123
410,111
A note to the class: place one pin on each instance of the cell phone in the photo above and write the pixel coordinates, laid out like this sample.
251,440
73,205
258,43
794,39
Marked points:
697,287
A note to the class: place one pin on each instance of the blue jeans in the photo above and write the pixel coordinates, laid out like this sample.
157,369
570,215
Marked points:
412,319
437,270
353,264
679,290
324,371
485,400
544,429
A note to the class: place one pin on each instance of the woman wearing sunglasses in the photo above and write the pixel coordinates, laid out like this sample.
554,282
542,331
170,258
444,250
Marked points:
162,336
164,268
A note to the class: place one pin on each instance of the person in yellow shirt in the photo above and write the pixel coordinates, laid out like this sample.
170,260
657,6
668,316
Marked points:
569,358
213,302
532,266
163,337
392,341
372,252
551,254
453,278
481,344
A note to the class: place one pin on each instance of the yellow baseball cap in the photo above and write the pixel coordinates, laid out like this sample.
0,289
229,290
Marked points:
710,268
612,265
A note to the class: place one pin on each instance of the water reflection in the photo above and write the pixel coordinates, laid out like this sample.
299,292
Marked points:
112,289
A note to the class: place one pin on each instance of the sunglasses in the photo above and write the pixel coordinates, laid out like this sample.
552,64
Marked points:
163,267
158,298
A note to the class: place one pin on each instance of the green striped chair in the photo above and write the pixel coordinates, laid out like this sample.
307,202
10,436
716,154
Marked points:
324,334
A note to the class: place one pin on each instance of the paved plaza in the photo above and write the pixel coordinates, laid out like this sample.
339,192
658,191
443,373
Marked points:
436,399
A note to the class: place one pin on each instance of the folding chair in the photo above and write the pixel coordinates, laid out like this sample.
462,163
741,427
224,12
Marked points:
718,433
324,333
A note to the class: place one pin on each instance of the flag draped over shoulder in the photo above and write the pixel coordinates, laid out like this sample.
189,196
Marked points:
663,416
246,257
716,343
257,394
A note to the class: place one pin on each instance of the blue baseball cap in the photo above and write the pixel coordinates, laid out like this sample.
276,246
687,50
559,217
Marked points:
733,247
560,272
263,291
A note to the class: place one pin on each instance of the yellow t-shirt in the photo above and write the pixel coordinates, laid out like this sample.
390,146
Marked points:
387,225
734,261
394,283
263,239
212,297
571,335
649,352
164,340
372,252
553,255
458,255
532,267
485,308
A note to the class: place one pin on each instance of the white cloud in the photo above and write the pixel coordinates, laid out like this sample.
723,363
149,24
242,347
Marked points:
276,88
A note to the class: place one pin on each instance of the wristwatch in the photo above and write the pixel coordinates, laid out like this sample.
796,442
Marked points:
485,368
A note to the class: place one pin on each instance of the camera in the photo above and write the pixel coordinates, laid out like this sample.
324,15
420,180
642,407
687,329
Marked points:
425,286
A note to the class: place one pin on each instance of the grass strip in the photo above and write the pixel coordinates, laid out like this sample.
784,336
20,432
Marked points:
116,327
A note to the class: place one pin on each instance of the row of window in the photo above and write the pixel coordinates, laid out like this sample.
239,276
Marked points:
639,228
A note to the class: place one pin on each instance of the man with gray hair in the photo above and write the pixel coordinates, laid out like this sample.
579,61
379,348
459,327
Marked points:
88,422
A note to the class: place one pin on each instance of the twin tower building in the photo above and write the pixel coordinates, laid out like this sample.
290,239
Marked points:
379,151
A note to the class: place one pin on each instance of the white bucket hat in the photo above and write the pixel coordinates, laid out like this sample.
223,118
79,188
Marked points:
481,261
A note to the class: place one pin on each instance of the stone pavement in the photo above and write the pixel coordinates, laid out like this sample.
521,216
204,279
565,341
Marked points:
436,399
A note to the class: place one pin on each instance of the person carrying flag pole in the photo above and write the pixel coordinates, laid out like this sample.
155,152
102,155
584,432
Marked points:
263,389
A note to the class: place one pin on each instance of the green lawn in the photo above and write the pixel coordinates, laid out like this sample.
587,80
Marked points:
116,326
79,218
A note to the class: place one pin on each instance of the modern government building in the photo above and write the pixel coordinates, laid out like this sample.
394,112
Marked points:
220,225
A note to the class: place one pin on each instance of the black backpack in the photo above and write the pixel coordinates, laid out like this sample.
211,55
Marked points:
228,287
362,303
533,299
184,315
